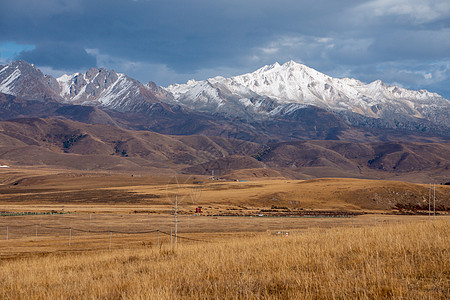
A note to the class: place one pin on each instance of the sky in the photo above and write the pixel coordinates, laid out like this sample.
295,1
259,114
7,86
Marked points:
401,42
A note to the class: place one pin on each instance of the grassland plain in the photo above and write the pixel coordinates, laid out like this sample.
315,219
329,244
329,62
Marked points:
399,261
59,188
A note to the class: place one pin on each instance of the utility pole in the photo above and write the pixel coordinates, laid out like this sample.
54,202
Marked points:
434,204
176,220
429,201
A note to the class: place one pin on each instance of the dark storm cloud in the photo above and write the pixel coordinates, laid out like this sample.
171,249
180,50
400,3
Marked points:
197,37
181,34
61,55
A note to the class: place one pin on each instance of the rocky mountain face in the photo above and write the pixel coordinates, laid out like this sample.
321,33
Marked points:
103,88
26,81
287,102
281,120
276,91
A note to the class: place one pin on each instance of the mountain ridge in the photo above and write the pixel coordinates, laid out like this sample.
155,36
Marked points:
293,83
73,145
272,94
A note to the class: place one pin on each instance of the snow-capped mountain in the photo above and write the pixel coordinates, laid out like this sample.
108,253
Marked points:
96,87
22,79
104,88
275,92
292,85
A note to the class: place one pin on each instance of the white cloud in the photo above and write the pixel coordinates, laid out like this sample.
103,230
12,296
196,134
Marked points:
325,40
313,50
419,11
271,50
412,75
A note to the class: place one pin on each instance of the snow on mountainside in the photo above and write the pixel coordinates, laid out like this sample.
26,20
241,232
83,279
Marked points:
271,92
101,87
294,83
22,79
97,87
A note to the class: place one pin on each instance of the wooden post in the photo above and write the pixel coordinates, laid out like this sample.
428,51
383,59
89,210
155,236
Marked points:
434,204
429,201
170,237
157,239
7,232
36,234
110,236
90,220
176,220
70,236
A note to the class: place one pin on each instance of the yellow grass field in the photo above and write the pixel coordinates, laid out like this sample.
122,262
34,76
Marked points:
397,261
261,239
42,234
89,192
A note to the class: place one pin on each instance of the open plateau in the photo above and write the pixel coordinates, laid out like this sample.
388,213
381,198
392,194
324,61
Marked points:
283,183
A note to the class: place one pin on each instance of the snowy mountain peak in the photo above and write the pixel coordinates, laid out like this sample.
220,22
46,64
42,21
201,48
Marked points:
82,87
290,82
290,66
378,84
293,63
272,91
22,79
106,88
295,83
267,68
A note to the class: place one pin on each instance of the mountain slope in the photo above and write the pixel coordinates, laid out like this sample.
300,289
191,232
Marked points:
274,90
100,87
57,142
25,81
278,102
74,145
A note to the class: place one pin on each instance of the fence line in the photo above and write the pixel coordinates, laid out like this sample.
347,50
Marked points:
30,213
8,227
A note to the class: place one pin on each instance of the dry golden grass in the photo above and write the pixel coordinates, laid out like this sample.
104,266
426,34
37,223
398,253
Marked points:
31,235
328,193
403,257
400,261
156,193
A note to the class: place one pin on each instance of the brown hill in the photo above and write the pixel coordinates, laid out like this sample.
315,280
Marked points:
69,144
12,107
77,145
380,160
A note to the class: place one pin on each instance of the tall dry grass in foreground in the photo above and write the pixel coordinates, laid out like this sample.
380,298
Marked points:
409,261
